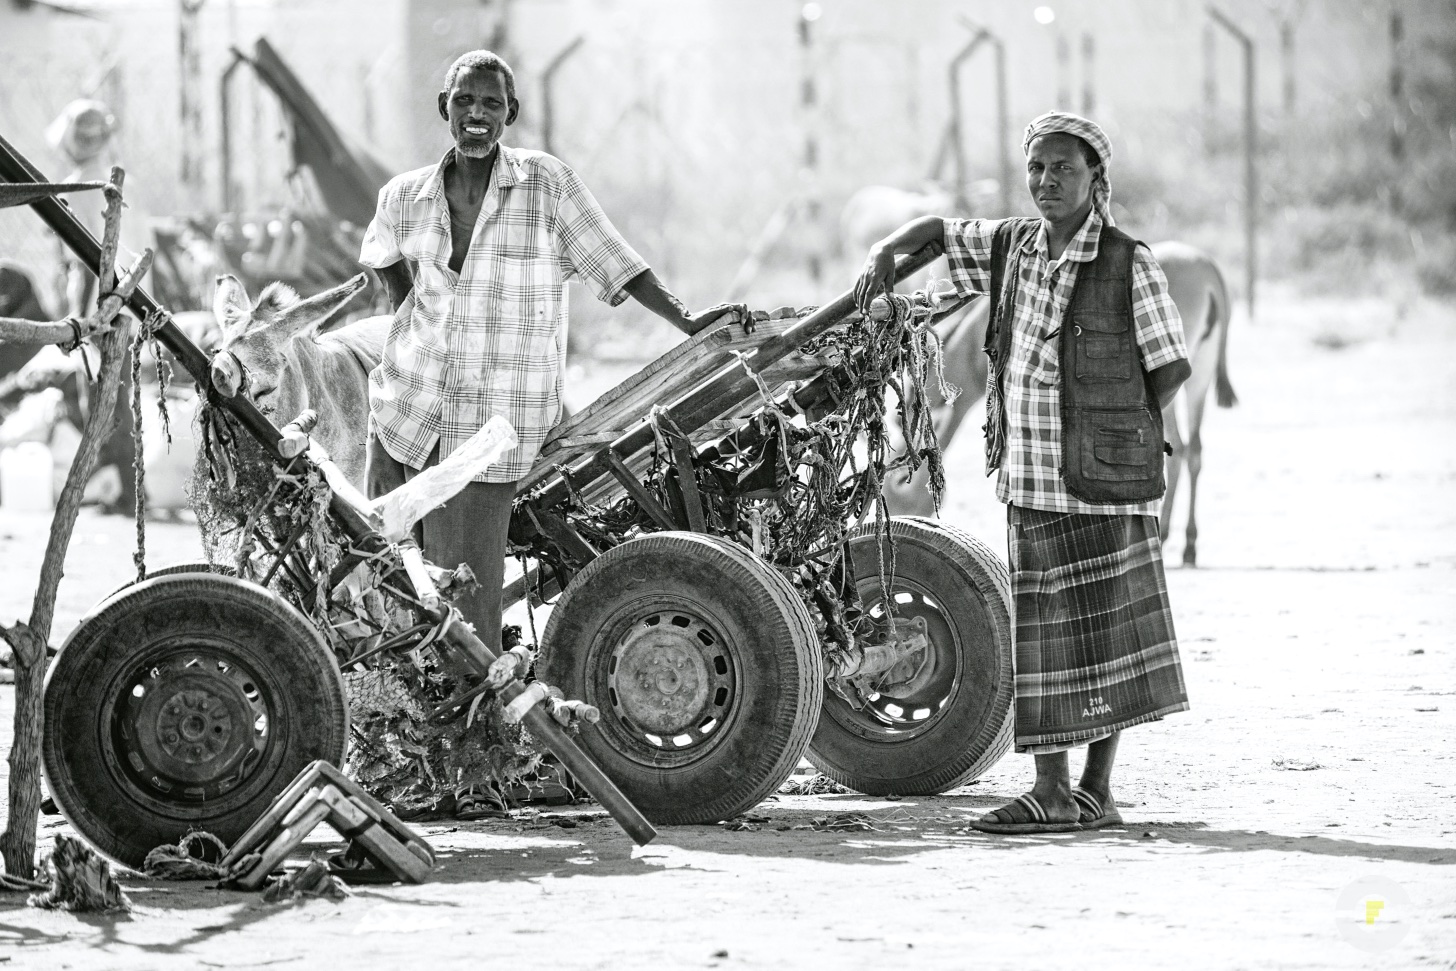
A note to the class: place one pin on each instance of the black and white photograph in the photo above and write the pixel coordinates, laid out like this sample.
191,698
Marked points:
764,484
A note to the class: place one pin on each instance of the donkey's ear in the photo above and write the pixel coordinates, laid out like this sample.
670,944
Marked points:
230,302
314,313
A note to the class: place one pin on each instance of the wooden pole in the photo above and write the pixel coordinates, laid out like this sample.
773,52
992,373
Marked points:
1089,99
189,100
1397,87
1251,174
28,640
548,95
1210,86
1064,73
1003,123
1286,60
954,136
809,102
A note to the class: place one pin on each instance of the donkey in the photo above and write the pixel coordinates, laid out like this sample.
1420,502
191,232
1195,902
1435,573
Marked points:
1197,288
287,355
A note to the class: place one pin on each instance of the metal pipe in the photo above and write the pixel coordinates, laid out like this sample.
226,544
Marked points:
224,97
548,101
554,737
953,132
1251,134
1003,137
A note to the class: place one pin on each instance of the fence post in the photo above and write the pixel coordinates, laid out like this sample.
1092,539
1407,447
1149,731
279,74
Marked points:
1251,180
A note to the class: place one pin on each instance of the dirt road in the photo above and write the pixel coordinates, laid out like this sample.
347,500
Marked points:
1319,640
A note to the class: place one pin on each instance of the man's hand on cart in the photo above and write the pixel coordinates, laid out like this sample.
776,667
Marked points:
876,277
723,313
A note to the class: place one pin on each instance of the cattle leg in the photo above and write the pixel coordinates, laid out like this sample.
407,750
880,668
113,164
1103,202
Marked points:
1195,465
1173,467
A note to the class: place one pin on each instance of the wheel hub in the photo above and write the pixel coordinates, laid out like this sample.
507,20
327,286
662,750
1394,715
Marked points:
662,679
912,694
192,725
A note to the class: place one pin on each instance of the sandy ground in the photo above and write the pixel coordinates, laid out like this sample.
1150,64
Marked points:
1319,640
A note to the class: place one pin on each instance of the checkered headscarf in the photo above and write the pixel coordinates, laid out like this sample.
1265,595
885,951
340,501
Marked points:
1091,133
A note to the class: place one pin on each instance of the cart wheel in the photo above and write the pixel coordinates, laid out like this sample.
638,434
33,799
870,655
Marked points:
188,701
951,719
705,665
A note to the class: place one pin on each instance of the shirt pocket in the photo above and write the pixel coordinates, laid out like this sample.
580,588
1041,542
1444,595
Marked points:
1104,347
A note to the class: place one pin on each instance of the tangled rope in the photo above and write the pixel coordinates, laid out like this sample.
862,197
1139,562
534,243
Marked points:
146,335
791,488
272,524
187,860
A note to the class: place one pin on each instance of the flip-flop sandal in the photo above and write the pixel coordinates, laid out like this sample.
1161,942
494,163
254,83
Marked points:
1094,814
474,804
1039,823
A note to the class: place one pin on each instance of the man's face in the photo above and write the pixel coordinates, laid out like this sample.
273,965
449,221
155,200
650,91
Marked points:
1059,177
478,110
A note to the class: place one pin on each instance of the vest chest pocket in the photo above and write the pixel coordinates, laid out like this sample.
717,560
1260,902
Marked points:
1120,446
1103,347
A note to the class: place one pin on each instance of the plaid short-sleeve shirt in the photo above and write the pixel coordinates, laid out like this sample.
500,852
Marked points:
1030,473
490,340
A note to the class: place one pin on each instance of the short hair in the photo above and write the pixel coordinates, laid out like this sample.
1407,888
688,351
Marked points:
485,60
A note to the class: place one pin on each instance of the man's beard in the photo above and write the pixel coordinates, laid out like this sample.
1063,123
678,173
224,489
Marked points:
473,146
477,150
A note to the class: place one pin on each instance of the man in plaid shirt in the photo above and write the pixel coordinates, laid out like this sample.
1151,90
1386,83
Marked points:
1094,647
475,252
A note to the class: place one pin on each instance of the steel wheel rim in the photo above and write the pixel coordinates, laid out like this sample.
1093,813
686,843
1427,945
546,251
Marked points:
188,723
668,679
906,710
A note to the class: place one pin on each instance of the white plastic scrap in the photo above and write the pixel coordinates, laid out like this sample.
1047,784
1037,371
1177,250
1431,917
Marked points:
401,509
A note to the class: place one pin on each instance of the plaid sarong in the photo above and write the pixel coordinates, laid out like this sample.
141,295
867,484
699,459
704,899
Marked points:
1095,650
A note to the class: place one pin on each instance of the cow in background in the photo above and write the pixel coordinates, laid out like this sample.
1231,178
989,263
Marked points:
287,355
1197,287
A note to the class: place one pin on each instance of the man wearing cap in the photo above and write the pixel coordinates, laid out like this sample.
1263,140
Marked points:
1086,348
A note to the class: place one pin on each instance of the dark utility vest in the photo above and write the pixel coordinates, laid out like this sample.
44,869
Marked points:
1112,428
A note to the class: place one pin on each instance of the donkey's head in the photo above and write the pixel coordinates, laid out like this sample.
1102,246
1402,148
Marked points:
258,339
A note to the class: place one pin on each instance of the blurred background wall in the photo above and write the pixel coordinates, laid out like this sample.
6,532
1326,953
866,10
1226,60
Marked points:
697,122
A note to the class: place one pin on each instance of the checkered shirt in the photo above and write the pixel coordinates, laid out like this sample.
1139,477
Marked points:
1030,473
492,339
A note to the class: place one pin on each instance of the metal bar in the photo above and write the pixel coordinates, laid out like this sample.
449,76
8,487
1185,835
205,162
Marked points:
639,492
554,737
1251,134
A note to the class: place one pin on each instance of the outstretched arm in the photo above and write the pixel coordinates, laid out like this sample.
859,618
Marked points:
879,267
653,294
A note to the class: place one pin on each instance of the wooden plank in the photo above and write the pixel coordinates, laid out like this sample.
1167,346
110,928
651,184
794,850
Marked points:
665,380
614,406
645,499
580,441
712,397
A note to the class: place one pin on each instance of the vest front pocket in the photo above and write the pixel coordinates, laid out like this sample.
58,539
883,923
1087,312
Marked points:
1120,446
1103,347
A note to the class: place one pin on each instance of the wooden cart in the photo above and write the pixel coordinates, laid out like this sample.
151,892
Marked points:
717,660
712,668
